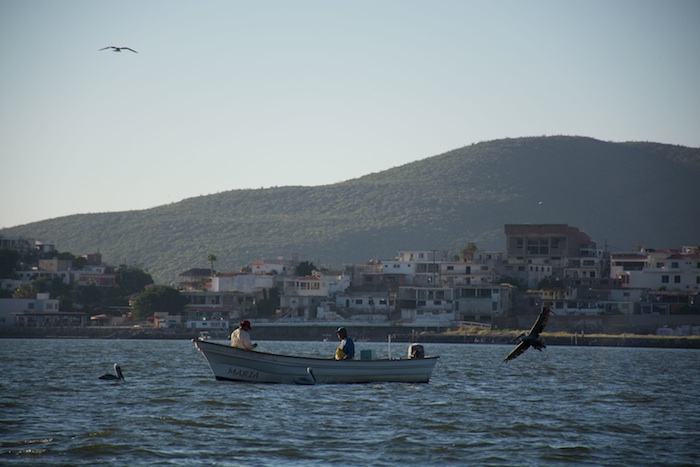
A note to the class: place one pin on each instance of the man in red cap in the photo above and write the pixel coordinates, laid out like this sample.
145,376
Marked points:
240,337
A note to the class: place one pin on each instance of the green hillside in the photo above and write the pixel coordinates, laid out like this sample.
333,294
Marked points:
620,193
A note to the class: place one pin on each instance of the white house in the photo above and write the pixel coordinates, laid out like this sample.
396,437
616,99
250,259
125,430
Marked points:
456,273
365,302
429,306
239,282
9,307
480,302
36,312
662,269
279,266
421,267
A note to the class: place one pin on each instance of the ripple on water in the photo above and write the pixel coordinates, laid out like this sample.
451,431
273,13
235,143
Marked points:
19,446
566,405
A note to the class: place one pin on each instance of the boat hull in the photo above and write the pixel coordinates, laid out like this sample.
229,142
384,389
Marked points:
234,364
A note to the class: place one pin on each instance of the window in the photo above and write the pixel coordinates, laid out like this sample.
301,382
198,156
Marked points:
676,279
537,246
556,241
664,279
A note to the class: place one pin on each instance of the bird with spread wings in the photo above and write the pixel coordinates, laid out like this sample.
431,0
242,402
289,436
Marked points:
118,49
532,339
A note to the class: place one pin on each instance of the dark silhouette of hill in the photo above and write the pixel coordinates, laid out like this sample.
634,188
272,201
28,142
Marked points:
621,194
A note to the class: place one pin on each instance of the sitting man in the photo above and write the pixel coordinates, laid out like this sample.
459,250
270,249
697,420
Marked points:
346,348
240,337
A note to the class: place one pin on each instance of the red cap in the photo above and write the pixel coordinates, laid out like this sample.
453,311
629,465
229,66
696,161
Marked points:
245,322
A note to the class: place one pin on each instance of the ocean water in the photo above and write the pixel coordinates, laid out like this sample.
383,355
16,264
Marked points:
565,405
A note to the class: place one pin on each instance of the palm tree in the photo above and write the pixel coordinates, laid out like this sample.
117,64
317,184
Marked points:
468,251
211,258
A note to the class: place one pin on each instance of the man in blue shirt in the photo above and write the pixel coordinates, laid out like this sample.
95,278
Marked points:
346,348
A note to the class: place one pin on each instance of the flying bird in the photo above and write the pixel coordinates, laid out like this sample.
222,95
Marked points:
532,339
116,376
118,49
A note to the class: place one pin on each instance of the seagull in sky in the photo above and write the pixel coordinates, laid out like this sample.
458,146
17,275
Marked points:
118,49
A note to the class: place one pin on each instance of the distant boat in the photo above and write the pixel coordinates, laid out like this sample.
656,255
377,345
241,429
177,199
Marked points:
204,335
234,364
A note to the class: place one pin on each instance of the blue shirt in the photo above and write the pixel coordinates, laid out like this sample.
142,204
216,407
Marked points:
348,347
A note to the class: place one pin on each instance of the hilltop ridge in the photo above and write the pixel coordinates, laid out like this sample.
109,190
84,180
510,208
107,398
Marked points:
621,194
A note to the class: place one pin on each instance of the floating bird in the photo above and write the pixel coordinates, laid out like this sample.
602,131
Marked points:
116,376
532,339
307,379
118,49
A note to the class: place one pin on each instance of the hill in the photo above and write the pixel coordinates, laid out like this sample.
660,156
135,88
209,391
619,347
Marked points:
621,194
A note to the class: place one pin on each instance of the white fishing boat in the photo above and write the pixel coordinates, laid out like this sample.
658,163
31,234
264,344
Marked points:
234,364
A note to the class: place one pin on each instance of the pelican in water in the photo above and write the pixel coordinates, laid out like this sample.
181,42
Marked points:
532,339
308,378
116,376
117,49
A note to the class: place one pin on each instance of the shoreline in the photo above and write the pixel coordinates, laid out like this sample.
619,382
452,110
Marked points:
366,335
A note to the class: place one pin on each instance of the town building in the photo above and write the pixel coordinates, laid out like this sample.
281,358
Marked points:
194,279
539,251
303,296
22,245
557,264
278,266
41,311
675,269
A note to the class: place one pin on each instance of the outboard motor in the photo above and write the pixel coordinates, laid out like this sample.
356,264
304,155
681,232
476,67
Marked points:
416,351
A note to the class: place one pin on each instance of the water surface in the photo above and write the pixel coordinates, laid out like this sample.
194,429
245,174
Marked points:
582,405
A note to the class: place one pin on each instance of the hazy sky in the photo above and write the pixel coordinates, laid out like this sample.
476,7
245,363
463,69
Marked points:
229,94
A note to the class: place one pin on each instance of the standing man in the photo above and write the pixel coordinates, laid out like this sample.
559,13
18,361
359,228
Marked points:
240,337
346,348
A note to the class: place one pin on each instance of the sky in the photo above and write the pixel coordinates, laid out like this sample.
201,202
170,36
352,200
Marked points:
230,94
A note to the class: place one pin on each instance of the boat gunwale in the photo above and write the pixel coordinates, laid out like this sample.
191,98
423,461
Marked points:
299,357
